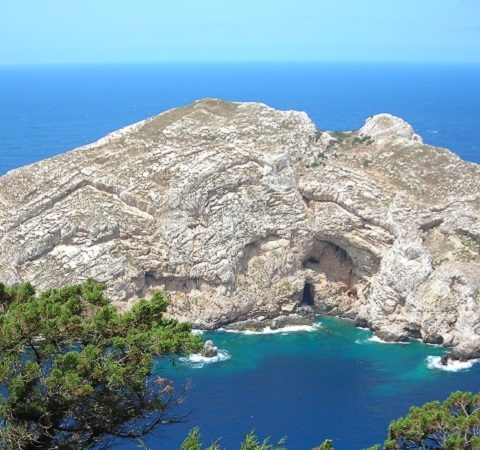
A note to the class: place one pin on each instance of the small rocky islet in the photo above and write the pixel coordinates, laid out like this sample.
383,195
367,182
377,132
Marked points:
252,217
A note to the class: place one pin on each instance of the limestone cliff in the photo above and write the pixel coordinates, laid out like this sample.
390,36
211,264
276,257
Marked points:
241,211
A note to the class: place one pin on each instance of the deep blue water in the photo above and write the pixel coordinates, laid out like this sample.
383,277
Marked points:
47,110
309,386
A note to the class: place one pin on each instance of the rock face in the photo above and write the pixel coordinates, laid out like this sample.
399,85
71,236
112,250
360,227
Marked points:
209,349
240,211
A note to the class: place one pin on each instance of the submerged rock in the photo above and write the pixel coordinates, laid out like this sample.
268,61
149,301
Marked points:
240,211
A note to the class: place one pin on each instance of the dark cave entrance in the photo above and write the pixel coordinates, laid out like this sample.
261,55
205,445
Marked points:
333,261
308,295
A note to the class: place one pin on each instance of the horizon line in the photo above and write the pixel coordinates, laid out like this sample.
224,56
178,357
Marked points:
246,61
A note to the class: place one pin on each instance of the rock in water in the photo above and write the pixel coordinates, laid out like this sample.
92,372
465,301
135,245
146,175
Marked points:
240,211
209,349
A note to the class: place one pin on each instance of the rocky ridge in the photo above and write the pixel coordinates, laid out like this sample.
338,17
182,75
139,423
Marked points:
242,212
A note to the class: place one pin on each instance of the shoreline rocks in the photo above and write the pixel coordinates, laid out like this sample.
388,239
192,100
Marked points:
260,324
462,354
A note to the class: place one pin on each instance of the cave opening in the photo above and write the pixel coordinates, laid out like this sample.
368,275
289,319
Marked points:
308,295
331,260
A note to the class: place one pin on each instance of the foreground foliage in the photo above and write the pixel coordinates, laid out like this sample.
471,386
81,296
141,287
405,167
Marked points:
77,372
453,425
250,442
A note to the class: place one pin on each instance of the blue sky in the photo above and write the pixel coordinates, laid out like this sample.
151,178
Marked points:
92,31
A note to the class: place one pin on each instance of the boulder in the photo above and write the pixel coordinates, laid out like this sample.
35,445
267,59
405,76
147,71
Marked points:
209,349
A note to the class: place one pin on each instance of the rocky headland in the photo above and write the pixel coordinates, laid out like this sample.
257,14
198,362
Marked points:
248,214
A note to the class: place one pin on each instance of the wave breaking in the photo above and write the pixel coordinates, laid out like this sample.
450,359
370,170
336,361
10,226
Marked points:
197,361
283,330
435,362
378,340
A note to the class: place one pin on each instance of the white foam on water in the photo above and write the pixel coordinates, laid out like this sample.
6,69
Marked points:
197,361
196,331
284,330
377,340
426,343
381,341
435,362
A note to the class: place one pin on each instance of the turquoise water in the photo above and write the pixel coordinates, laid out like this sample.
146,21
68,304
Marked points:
333,382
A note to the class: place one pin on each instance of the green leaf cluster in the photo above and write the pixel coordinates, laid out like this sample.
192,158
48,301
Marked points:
325,445
250,442
77,371
451,425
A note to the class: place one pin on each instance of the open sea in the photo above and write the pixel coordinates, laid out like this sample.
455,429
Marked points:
331,381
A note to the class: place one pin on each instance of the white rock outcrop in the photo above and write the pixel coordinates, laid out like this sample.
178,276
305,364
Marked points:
241,211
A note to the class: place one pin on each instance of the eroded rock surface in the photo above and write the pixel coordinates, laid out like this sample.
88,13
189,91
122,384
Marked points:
209,349
241,211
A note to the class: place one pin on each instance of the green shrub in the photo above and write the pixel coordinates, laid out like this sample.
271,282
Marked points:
77,371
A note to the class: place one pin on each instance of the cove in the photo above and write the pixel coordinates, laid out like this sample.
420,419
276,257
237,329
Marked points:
332,381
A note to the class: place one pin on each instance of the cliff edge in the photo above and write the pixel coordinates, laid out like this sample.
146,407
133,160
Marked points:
239,211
